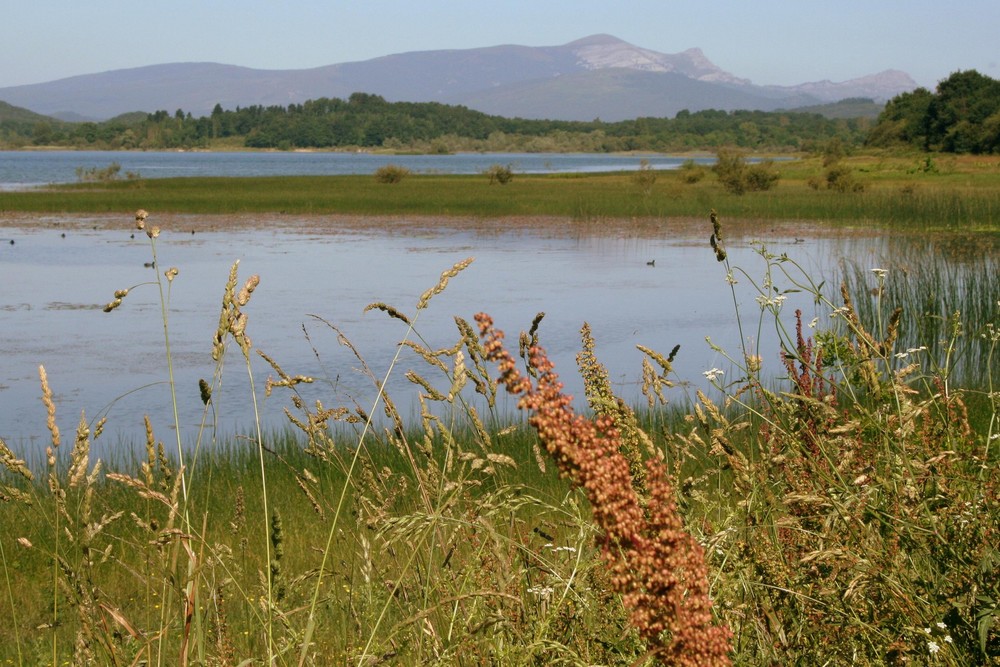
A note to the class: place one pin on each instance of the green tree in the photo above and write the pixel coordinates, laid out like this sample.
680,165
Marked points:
903,121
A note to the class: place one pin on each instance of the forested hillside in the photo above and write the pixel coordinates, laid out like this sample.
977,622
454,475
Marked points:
370,122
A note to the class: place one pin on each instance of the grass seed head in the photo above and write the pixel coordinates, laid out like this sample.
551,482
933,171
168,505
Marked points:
50,407
443,282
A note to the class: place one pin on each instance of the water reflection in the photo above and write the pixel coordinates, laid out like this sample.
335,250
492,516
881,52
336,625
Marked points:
114,364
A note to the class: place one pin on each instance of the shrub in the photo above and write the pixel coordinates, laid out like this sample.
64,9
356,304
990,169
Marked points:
500,173
692,172
760,177
391,173
737,177
730,167
833,151
841,178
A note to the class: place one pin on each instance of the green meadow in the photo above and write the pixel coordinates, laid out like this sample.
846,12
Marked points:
845,512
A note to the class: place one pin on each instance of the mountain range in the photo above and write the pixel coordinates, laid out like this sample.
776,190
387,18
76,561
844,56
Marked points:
599,76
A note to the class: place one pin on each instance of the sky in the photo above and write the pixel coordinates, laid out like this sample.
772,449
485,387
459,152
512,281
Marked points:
777,42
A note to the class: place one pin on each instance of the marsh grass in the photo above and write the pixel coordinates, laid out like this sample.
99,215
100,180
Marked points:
949,304
846,512
962,195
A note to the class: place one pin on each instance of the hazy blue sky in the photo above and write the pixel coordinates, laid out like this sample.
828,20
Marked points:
768,41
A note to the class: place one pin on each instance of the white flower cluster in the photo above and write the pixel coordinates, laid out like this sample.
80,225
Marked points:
911,350
770,302
843,310
714,374
932,646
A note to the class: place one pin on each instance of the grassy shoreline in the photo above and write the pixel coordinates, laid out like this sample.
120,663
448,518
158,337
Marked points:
904,192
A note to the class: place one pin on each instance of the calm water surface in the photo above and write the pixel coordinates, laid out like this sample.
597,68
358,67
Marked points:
23,169
54,287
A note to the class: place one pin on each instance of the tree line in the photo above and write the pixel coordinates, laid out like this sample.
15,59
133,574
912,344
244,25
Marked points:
961,116
367,121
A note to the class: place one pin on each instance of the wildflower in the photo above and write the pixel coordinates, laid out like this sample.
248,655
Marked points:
942,625
541,591
843,310
880,273
153,232
947,639
714,374
813,323
772,302
911,350
171,273
654,563
933,647
140,219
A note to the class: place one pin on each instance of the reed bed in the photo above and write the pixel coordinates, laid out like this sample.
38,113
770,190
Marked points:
845,513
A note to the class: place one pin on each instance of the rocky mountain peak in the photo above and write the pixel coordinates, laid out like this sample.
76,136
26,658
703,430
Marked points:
605,51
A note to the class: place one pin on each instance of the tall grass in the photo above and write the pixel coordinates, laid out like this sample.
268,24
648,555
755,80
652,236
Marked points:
846,513
949,304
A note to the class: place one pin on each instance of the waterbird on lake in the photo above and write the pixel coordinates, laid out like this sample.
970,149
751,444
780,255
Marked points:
651,262
12,241
149,265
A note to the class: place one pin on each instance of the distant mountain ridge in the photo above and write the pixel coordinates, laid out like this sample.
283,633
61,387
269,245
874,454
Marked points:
599,76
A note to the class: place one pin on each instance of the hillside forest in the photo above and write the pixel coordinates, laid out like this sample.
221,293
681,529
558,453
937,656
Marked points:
962,115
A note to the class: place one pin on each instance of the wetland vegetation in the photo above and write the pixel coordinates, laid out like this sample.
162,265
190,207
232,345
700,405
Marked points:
845,511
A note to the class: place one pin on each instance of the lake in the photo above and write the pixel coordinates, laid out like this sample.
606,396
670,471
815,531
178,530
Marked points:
655,284
23,169
317,272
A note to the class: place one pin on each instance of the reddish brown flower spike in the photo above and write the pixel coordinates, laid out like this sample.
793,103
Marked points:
655,564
